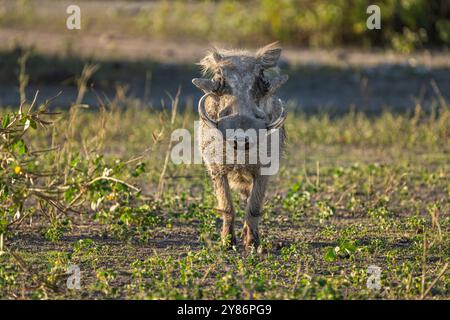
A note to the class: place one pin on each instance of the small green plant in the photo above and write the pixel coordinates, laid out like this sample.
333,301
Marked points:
297,201
104,278
21,180
324,211
344,249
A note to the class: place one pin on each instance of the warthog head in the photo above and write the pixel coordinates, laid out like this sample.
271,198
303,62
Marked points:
239,92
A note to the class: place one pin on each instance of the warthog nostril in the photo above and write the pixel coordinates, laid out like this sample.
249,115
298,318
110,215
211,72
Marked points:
241,143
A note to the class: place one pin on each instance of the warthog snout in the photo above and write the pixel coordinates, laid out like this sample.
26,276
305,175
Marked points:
240,131
241,142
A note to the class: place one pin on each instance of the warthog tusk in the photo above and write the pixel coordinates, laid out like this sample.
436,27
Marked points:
278,123
202,111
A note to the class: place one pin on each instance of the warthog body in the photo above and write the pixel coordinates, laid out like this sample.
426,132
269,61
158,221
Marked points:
240,95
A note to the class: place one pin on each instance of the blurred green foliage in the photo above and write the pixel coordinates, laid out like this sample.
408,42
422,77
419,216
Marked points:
405,24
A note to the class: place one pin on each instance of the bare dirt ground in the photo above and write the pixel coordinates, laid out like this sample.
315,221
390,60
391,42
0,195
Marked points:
110,45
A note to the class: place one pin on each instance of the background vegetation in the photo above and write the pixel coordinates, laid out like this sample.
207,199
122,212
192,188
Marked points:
406,24
88,181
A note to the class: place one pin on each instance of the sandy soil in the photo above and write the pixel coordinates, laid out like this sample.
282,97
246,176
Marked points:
109,45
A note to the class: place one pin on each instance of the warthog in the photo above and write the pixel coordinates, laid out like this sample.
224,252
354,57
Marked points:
239,98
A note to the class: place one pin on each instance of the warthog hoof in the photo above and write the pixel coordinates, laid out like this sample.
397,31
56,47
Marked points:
229,240
250,238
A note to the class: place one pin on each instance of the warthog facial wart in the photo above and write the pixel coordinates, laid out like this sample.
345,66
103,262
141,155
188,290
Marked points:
241,132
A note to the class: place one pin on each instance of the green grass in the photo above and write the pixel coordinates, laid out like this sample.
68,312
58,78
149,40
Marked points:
352,192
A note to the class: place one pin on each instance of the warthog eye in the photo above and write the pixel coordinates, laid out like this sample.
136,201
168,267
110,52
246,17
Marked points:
222,87
260,86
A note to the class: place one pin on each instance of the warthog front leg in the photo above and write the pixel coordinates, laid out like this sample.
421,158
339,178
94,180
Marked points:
253,212
225,205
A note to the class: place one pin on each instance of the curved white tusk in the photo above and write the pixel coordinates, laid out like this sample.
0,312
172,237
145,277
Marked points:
270,131
202,111
278,123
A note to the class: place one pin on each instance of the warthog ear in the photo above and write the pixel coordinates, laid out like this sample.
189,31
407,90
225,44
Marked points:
205,85
269,55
